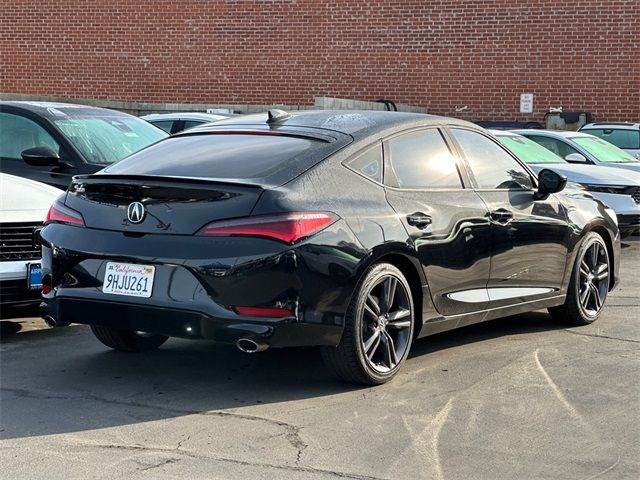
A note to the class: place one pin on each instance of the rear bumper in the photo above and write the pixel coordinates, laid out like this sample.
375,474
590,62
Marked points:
175,322
198,283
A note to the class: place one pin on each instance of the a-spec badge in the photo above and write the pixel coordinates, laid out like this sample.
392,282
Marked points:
136,212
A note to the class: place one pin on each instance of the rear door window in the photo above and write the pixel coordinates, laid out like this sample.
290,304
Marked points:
422,160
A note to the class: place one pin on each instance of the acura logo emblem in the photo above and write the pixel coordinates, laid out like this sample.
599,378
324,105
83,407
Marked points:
136,212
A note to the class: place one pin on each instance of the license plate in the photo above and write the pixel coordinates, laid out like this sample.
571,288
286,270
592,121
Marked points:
128,279
34,276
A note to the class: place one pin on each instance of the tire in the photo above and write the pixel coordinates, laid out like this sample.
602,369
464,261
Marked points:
589,284
127,340
377,337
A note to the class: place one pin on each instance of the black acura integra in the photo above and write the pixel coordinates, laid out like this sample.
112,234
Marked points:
353,231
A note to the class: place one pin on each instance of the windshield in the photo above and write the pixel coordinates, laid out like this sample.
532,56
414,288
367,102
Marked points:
105,139
529,151
603,151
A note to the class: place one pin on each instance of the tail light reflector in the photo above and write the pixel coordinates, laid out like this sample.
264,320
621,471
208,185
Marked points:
287,227
59,213
270,312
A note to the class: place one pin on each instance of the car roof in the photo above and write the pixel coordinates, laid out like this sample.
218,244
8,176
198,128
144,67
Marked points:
553,133
357,123
505,133
612,125
206,117
53,110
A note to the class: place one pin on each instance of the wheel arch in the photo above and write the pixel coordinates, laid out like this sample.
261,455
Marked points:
410,268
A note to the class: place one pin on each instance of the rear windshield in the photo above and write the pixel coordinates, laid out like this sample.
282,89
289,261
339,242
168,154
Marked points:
627,139
268,159
603,151
529,151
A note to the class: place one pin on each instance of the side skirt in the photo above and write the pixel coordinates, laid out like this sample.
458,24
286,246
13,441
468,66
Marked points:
443,324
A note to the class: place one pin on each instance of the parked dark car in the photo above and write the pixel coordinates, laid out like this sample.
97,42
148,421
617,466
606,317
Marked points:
51,142
353,231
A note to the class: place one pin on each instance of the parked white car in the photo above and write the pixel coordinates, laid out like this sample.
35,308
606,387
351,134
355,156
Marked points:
580,147
23,207
618,189
624,135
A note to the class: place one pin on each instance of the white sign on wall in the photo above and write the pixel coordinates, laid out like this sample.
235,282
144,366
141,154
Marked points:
526,103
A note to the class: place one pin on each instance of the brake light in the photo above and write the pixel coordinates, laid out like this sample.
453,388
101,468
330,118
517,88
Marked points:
287,227
59,213
270,312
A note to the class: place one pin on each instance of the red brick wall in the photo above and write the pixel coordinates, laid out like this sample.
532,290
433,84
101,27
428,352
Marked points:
443,54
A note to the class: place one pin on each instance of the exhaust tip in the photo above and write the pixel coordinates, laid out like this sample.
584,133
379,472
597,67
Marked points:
50,321
247,345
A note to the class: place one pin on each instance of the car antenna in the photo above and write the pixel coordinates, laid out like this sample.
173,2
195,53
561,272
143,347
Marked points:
276,115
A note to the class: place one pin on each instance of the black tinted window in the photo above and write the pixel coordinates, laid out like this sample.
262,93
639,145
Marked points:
18,133
369,163
164,125
192,123
422,160
490,164
270,159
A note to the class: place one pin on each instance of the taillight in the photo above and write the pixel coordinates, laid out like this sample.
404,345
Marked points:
59,213
270,312
286,227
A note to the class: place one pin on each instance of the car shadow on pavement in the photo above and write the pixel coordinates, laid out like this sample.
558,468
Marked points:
522,324
64,380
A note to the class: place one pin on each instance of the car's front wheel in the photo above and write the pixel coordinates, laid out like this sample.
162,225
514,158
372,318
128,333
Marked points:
127,340
378,328
589,284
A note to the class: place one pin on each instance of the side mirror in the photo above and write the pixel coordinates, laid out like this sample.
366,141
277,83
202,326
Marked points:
549,182
576,158
41,157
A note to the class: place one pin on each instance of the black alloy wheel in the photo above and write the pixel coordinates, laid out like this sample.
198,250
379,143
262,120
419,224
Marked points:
594,278
589,284
378,328
384,332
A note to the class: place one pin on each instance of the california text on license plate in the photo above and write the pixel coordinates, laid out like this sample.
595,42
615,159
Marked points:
128,279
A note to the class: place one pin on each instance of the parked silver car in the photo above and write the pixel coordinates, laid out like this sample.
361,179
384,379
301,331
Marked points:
624,135
579,147
618,189
177,122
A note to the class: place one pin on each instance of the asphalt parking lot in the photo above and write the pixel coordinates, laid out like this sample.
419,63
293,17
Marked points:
520,397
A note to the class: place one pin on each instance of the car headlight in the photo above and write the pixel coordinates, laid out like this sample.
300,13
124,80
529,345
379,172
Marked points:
615,189
612,215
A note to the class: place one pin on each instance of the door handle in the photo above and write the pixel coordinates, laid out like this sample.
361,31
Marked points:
501,215
419,220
